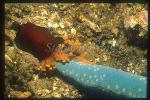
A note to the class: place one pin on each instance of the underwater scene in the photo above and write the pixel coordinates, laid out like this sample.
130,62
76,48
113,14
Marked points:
76,50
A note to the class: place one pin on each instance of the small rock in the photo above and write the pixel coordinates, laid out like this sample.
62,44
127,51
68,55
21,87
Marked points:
54,17
61,89
55,25
49,24
35,77
56,95
105,58
68,23
43,92
113,42
61,25
128,69
19,94
67,90
44,12
15,62
73,31
97,59
54,5
54,88
7,58
133,71
115,30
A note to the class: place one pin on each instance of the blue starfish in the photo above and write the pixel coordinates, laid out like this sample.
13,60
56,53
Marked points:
105,78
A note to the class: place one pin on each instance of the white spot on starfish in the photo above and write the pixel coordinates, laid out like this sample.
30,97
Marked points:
108,87
123,90
84,75
90,76
117,87
139,89
76,75
130,93
104,75
89,68
95,76
101,78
